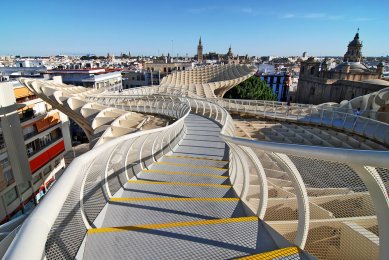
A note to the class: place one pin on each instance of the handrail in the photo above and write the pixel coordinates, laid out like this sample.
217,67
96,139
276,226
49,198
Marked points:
32,236
298,105
149,90
363,162
341,155
316,115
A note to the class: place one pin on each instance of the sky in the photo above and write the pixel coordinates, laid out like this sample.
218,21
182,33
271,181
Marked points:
152,27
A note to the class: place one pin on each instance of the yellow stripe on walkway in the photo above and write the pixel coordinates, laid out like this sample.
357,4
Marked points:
287,251
192,166
195,158
181,183
187,173
173,199
172,225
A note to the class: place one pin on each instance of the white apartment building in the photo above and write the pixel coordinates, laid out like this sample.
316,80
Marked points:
33,139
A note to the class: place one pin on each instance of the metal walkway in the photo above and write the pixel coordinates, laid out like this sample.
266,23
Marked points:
183,207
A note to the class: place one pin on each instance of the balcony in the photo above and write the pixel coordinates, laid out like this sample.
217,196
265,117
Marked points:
31,152
43,124
49,153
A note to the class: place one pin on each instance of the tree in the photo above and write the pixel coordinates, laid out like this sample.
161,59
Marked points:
251,88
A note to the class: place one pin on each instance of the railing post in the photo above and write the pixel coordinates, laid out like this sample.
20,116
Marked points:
263,195
152,148
332,118
379,196
321,116
140,153
264,110
302,198
364,126
344,121
217,112
197,106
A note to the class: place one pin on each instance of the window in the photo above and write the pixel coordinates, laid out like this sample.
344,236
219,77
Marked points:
312,70
10,196
29,131
45,140
36,178
47,170
9,176
312,91
4,162
30,148
24,187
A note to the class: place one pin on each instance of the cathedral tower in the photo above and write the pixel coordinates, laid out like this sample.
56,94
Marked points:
200,52
354,50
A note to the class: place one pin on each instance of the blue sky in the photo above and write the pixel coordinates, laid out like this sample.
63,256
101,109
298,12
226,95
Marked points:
253,27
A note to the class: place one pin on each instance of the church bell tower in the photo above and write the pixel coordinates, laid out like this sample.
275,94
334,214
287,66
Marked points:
354,50
200,52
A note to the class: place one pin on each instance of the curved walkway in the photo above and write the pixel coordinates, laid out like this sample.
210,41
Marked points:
183,207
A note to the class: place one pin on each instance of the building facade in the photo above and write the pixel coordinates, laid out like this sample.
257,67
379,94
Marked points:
318,84
33,140
279,83
167,67
133,79
89,78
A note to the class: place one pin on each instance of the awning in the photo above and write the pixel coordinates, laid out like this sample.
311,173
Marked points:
22,92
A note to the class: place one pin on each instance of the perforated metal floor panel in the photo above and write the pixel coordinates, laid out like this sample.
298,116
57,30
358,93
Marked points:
181,207
219,241
139,190
129,213
179,176
190,168
195,161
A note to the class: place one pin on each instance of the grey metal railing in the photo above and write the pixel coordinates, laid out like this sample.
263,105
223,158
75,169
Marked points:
32,238
366,167
324,116
360,172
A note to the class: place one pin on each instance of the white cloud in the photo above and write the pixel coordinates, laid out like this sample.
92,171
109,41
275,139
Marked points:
313,16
